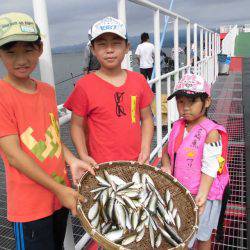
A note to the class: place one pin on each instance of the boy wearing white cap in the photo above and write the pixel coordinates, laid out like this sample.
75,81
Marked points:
38,190
197,153
112,103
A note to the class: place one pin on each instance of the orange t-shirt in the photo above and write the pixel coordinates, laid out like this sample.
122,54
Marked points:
34,118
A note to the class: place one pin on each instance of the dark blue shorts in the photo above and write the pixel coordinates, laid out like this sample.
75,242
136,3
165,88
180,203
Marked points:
46,233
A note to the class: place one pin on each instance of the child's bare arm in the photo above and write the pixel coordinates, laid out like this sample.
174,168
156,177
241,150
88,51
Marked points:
77,167
206,180
165,161
78,127
204,188
18,159
147,128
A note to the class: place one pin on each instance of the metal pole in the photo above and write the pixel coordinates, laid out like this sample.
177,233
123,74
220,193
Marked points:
188,46
176,48
45,60
121,9
163,34
195,48
158,83
201,52
206,55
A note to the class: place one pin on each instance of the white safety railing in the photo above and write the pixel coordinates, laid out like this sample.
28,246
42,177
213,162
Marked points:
206,46
228,43
206,65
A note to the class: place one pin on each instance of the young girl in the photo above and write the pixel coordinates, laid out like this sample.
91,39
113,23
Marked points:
196,154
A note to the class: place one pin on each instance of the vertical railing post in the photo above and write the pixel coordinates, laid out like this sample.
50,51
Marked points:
206,54
45,60
195,48
121,10
210,55
188,45
201,53
213,55
158,83
176,48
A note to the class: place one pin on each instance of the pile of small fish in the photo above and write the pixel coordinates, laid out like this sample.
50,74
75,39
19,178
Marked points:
123,211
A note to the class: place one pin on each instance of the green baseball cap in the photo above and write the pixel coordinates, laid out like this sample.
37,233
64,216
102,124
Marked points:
17,26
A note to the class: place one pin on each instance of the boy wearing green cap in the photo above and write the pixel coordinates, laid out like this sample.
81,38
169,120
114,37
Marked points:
38,190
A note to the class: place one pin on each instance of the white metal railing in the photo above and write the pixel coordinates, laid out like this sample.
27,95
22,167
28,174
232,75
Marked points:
228,43
205,65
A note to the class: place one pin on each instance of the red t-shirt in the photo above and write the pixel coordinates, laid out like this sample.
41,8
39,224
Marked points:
33,117
113,115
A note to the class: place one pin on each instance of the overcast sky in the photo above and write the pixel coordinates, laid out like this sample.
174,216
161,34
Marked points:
69,20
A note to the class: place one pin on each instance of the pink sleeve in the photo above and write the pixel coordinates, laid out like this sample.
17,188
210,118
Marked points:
147,94
78,101
8,124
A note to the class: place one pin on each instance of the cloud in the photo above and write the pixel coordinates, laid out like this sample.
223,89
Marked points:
69,21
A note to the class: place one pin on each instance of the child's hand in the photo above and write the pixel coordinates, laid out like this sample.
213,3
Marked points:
200,201
79,167
144,156
68,198
166,169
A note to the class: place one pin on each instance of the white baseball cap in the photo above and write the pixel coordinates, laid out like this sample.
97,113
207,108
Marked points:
191,84
108,25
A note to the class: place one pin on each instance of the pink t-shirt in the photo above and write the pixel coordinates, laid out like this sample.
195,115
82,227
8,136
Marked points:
113,115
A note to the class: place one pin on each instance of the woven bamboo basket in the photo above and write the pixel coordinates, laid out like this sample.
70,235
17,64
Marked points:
182,200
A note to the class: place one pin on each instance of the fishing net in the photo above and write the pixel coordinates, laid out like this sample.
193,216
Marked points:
182,200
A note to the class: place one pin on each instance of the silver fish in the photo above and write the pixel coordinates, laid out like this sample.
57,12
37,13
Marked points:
173,233
144,215
136,178
140,235
129,202
102,181
117,180
163,212
174,212
96,197
152,236
104,197
140,226
95,221
120,199
120,214
135,219
158,240
146,178
157,193
98,189
104,215
93,211
124,186
168,237
114,235
152,204
148,199
106,227
170,206
178,221
129,240
128,221
167,196
111,207
110,181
